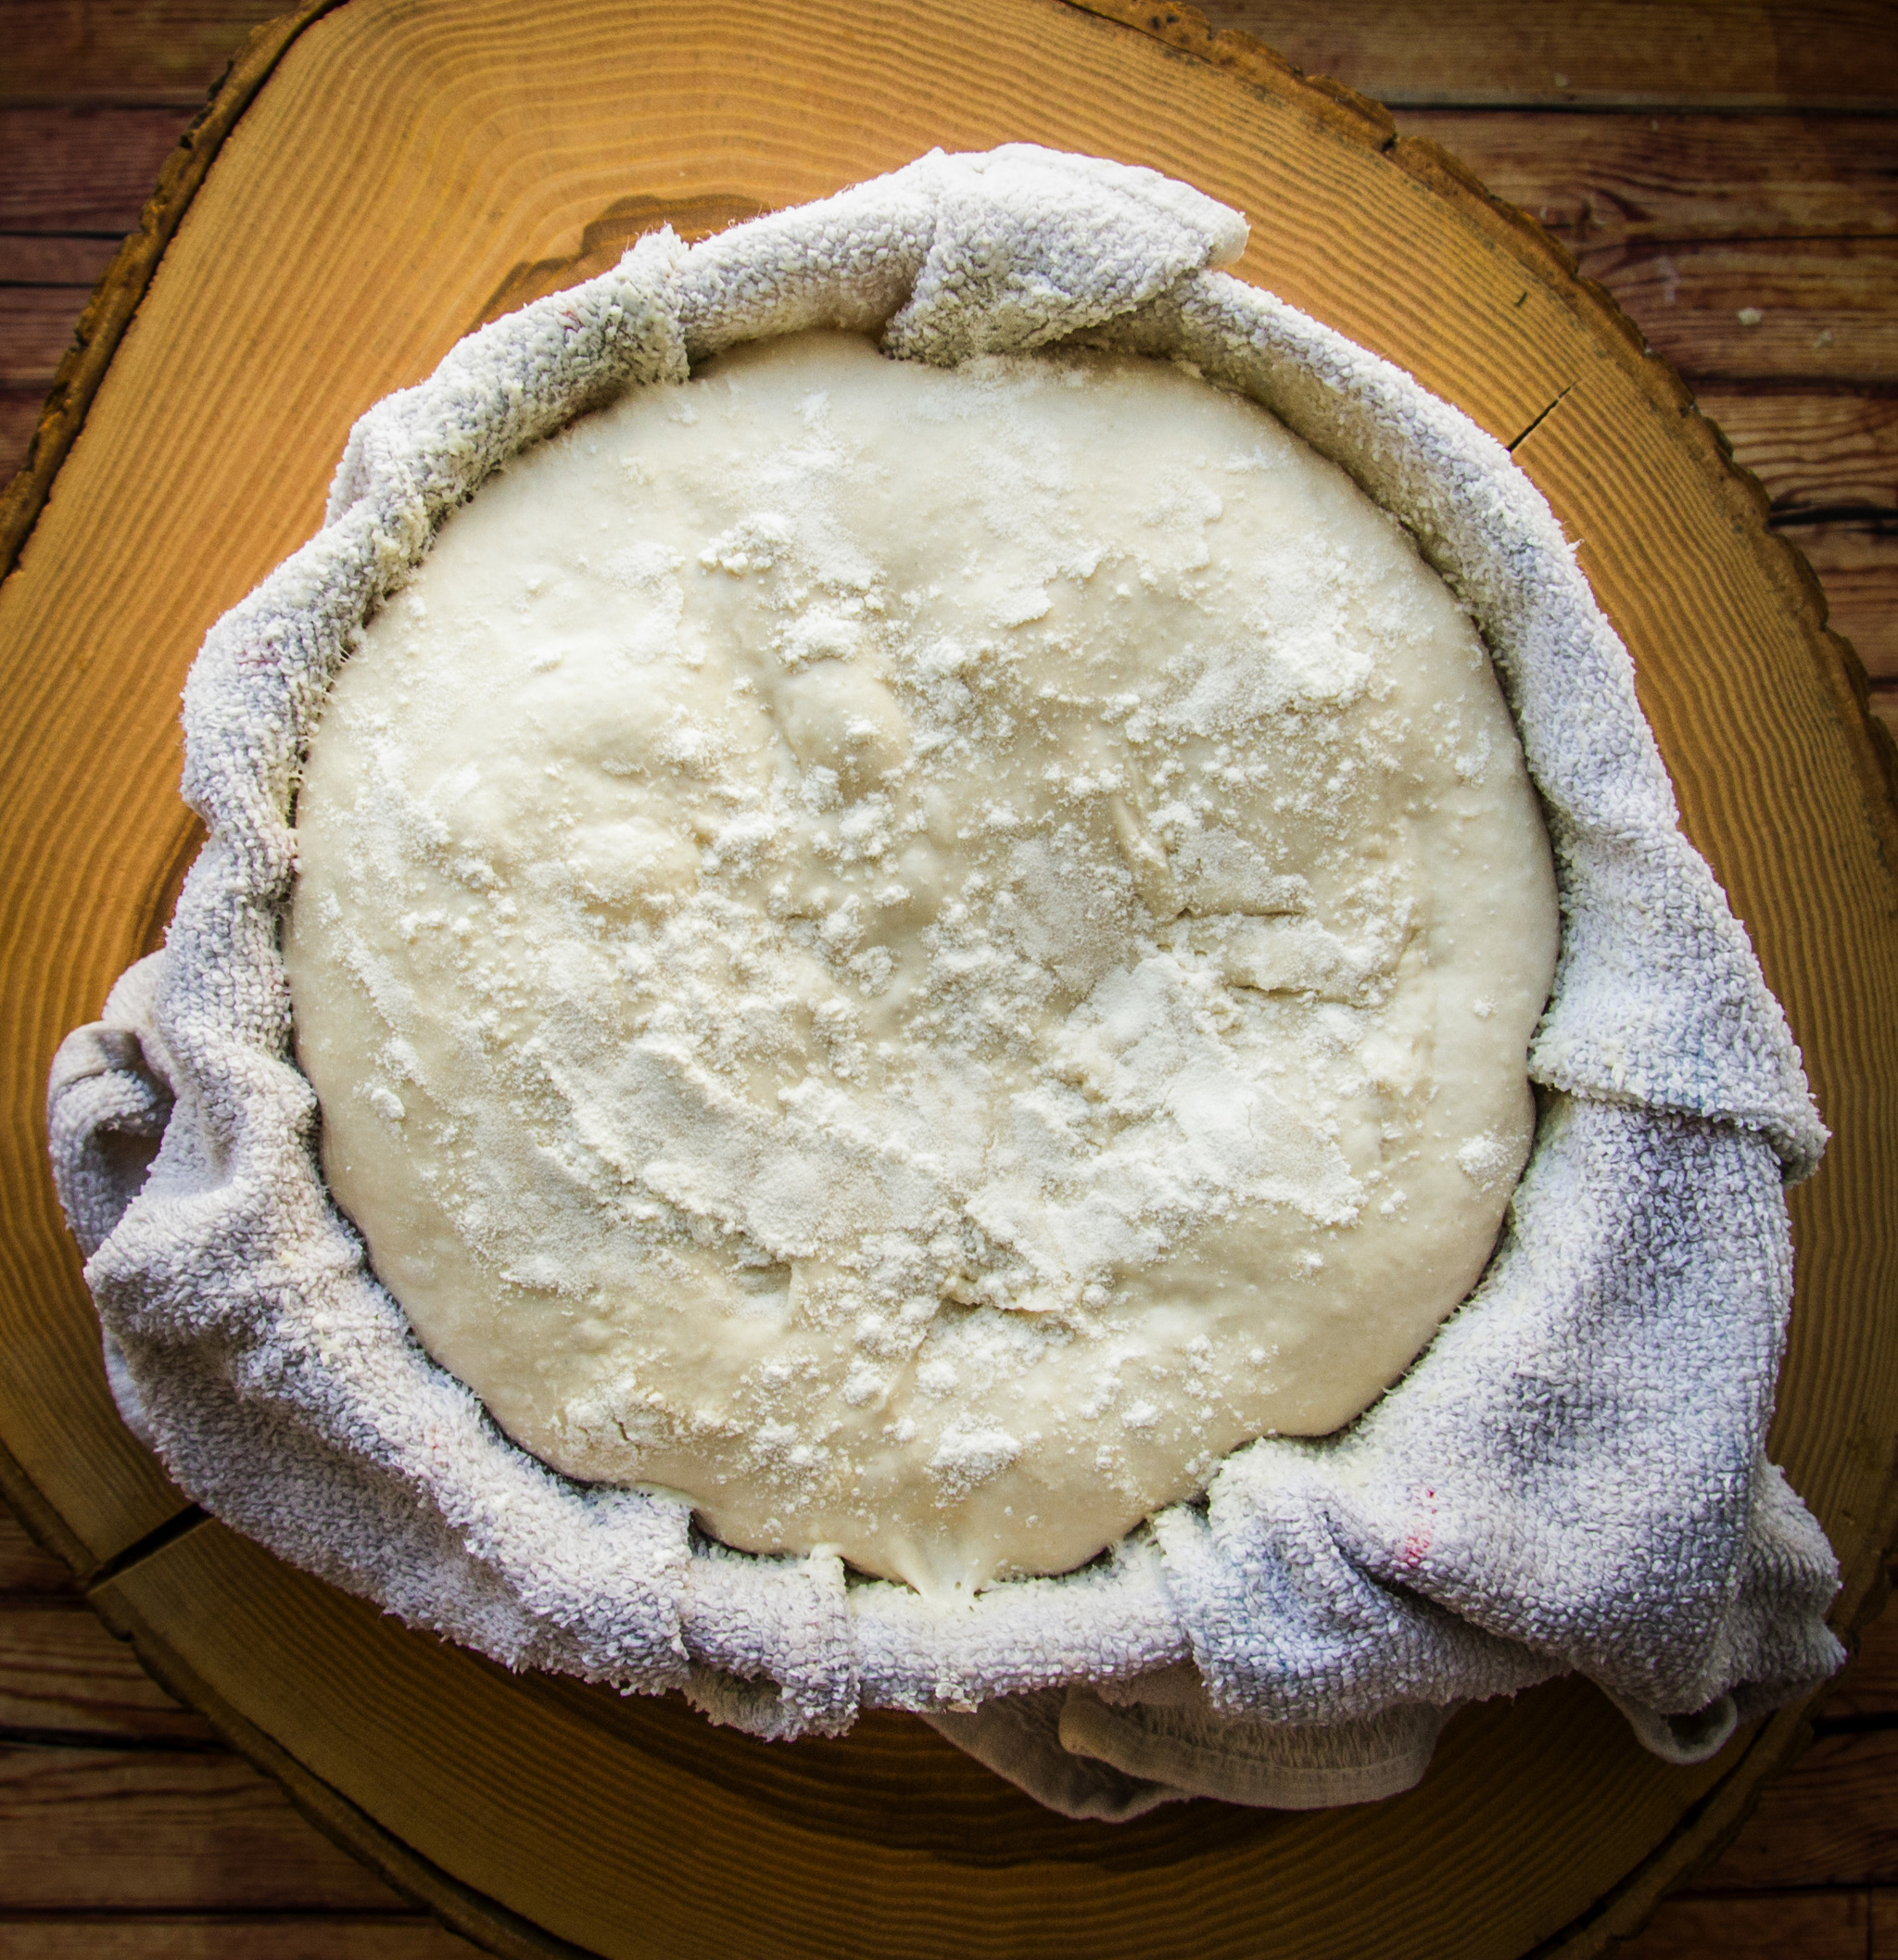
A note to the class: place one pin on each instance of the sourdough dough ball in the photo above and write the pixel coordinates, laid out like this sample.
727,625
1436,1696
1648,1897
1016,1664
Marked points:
917,955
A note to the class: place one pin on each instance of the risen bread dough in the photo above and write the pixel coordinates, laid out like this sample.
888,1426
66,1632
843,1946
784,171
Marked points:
917,955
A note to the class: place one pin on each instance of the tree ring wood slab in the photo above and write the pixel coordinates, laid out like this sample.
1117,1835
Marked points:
389,174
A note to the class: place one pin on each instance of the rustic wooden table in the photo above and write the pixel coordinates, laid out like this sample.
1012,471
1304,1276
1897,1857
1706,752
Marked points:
1728,170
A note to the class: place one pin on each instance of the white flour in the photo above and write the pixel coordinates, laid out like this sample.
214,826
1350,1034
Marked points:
917,955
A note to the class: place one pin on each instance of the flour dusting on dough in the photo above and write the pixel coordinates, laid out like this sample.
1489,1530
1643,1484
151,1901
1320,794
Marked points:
918,954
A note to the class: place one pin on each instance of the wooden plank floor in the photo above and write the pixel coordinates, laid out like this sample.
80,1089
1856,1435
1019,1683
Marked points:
1728,168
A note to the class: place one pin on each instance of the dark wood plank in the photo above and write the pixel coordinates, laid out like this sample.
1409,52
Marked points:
36,325
1796,1813
1629,178
121,51
1857,564
61,1672
1788,309
81,169
1597,53
1814,453
173,1822
1829,1820
1868,1689
1588,52
148,1830
54,259
1754,1926
1884,1936
230,1937
1829,1816
26,1568
20,410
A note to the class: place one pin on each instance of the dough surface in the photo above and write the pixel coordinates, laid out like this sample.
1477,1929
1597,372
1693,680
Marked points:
918,955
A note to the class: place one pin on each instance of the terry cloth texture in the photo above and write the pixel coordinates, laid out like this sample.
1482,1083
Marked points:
1571,1477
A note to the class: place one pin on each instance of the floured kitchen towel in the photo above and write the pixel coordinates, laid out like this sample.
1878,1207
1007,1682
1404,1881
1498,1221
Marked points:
1571,1477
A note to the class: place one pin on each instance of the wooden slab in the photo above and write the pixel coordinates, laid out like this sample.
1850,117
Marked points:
394,170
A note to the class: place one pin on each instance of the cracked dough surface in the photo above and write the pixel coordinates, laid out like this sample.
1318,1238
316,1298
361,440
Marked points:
918,955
